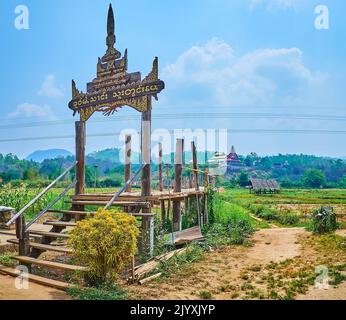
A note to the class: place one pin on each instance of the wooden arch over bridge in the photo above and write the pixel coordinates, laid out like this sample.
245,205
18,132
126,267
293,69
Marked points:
113,88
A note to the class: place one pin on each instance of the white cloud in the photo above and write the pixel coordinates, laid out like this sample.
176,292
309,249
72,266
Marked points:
28,110
274,5
49,88
213,73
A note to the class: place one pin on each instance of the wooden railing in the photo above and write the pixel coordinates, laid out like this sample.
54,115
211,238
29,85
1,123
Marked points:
41,194
67,189
124,187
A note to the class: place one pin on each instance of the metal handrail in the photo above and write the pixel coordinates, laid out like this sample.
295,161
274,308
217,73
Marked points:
128,182
43,192
67,189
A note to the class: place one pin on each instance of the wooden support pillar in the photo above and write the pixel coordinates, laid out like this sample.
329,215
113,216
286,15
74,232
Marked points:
80,128
128,161
195,171
146,175
22,236
190,180
161,187
163,212
160,168
80,157
178,168
146,152
205,198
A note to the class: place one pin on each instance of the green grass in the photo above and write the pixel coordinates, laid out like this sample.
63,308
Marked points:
106,292
206,295
5,259
290,196
264,206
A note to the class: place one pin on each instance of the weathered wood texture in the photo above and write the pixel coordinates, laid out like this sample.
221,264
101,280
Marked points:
146,174
80,157
195,172
178,168
22,236
128,161
160,167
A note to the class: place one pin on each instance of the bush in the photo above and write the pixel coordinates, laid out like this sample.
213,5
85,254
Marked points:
288,218
264,212
223,210
105,243
324,220
219,235
230,224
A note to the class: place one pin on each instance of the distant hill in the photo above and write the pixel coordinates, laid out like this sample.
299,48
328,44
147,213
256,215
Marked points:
41,155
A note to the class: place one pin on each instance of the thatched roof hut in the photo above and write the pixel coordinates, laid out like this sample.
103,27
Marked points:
264,186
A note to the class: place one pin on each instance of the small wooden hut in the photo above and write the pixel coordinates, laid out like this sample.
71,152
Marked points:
260,186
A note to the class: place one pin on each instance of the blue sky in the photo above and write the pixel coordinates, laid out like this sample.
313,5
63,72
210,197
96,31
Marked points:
216,56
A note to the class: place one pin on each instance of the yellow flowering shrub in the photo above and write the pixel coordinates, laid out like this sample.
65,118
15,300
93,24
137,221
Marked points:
105,243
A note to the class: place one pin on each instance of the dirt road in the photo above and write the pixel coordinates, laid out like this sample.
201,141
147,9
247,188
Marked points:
223,268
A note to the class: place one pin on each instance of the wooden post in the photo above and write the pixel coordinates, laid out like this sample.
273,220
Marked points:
146,151
163,212
160,168
178,168
128,161
146,173
163,209
205,202
22,236
195,171
80,158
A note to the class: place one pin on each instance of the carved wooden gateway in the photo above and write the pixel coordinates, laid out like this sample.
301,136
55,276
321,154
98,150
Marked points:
114,87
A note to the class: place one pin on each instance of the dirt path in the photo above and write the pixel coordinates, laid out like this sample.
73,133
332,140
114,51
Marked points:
8,291
220,271
224,266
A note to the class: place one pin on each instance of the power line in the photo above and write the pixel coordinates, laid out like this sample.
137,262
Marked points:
112,134
185,116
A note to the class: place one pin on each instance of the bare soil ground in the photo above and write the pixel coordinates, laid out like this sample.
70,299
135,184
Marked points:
224,273
8,291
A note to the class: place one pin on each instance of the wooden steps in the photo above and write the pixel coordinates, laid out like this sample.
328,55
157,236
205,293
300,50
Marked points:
37,279
59,224
13,234
8,233
84,213
48,264
122,198
71,212
44,247
141,204
50,234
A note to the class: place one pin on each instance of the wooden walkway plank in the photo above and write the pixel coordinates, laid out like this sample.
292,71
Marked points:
44,247
48,264
59,223
37,279
114,204
50,234
138,214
